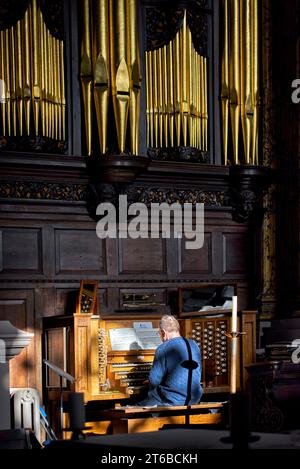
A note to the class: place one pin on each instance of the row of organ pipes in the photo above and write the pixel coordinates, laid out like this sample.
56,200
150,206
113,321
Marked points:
177,108
110,69
32,78
32,86
240,80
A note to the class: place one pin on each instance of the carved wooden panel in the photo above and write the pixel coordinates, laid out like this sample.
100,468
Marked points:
79,252
142,256
236,253
195,261
21,250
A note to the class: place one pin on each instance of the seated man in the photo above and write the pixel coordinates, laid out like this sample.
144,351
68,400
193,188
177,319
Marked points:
176,372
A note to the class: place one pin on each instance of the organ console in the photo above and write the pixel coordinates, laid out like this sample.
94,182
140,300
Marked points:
110,357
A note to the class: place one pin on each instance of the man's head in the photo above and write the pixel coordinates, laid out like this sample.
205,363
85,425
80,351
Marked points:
168,327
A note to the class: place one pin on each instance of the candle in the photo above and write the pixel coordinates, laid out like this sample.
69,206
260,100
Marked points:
234,314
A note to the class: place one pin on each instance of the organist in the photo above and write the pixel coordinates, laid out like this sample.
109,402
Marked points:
175,375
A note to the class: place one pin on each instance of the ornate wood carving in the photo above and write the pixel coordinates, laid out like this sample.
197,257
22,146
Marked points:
198,24
37,144
53,13
179,154
43,191
246,192
159,195
163,22
11,11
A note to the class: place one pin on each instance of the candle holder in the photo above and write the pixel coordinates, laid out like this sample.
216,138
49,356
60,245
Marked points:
233,336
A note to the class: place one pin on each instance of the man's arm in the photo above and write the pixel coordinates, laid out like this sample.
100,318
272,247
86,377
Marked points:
158,369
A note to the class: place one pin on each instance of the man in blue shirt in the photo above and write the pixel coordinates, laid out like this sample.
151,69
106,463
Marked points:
176,372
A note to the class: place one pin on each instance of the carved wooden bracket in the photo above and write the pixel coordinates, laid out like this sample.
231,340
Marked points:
246,191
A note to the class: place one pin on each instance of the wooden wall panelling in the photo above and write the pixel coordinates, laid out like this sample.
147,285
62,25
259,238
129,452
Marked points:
142,257
248,325
236,253
26,249
195,261
79,252
17,306
21,250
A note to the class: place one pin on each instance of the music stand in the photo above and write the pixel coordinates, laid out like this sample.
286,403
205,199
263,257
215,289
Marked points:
62,375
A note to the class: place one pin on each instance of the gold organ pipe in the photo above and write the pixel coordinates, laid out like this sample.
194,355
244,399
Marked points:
196,94
13,81
57,79
43,66
171,92
119,68
52,87
59,104
242,41
86,74
205,105
177,88
246,98
58,89
7,69
19,75
184,81
147,98
36,92
225,80
50,84
46,78
55,101
199,100
155,97
101,70
235,76
150,88
165,75
62,87
27,77
134,61
190,88
160,95
255,78
202,102
195,91
3,83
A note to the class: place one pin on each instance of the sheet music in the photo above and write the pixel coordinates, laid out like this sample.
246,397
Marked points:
128,338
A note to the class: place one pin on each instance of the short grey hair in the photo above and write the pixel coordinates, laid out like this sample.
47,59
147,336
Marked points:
169,323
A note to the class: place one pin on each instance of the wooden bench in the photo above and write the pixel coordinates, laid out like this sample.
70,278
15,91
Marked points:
145,419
